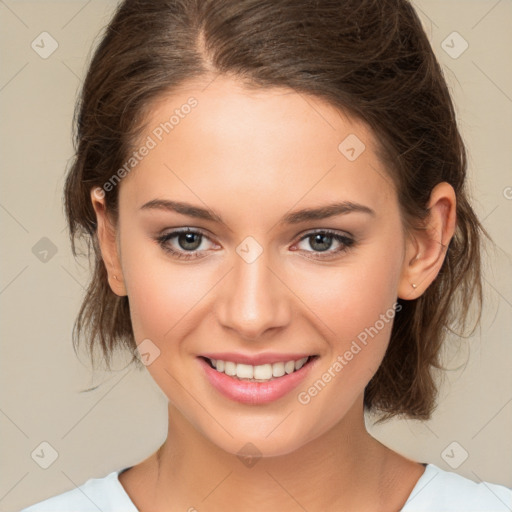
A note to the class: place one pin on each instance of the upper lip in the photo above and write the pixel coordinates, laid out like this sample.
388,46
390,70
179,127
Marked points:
257,359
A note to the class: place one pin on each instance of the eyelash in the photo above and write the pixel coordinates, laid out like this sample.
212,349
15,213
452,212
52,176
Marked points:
346,242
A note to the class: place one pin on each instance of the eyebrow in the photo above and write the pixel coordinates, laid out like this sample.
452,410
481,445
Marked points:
322,212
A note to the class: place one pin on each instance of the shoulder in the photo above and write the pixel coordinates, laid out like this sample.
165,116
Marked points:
105,494
445,491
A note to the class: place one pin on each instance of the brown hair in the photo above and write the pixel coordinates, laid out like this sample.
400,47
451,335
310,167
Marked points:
370,58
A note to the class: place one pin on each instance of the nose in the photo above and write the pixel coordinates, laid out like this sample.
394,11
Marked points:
254,299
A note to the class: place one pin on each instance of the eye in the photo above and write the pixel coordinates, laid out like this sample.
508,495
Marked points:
322,240
188,241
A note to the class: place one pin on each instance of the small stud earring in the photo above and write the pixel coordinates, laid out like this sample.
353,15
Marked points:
115,277
413,285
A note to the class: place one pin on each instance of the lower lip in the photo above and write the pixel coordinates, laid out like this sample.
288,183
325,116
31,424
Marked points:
255,393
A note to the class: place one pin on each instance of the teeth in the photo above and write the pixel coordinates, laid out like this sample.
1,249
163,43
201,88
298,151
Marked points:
278,369
263,372
230,368
244,371
300,363
289,367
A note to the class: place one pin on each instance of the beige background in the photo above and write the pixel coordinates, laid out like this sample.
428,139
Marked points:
124,419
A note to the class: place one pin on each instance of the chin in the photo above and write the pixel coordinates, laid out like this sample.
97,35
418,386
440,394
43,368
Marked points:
251,448
262,438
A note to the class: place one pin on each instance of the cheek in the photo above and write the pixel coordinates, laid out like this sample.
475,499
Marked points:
356,307
352,297
161,293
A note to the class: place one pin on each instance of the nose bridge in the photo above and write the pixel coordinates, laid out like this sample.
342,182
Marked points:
254,299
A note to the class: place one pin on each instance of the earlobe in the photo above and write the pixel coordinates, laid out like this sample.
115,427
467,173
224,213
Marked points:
108,244
426,247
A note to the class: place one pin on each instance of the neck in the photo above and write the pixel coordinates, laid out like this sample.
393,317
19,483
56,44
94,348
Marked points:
339,470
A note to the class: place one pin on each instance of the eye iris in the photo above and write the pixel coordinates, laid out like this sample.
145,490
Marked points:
188,239
320,237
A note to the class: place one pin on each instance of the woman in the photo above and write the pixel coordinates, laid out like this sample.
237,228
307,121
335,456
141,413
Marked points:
275,194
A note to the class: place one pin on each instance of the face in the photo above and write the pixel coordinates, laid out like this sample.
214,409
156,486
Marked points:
255,281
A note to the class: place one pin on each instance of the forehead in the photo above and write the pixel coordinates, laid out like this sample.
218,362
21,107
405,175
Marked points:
263,144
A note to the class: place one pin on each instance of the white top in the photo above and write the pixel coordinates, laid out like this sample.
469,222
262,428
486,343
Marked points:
436,491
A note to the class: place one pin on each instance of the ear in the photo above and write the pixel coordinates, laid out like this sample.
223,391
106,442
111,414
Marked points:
107,241
426,247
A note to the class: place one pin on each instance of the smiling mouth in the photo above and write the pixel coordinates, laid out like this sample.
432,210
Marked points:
260,373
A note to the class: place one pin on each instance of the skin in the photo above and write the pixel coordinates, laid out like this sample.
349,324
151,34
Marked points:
253,156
